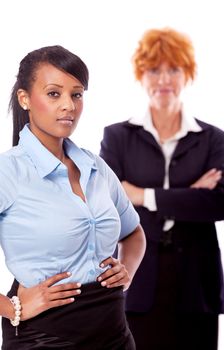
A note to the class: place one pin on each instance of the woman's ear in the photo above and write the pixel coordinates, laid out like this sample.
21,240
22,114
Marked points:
23,99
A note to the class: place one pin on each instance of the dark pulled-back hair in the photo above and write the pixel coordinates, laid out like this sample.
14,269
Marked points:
56,55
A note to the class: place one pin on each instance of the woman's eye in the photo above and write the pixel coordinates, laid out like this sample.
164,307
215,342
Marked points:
174,70
53,94
154,71
78,95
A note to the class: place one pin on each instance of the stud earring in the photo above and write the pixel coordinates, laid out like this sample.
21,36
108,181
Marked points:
25,107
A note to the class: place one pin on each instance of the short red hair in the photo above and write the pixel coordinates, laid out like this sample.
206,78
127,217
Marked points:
164,45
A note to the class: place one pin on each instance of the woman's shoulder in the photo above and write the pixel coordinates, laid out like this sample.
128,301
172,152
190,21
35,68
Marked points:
8,156
120,133
211,135
93,157
9,161
9,177
210,127
123,126
97,161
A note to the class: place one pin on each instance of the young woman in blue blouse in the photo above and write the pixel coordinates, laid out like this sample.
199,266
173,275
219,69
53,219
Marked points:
63,214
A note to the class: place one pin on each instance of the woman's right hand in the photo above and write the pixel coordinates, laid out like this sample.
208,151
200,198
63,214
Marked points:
46,295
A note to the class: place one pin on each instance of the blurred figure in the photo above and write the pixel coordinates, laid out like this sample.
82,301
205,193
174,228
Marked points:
170,165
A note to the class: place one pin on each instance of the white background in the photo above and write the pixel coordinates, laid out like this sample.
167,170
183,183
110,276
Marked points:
104,33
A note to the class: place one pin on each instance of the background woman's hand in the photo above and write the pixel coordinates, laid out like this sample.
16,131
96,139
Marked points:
116,275
46,295
134,193
209,180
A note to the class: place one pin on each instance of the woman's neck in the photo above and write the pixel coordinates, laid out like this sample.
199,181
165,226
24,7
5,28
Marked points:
55,146
166,121
58,151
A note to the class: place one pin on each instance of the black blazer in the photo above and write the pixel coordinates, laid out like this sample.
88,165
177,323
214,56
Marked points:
135,156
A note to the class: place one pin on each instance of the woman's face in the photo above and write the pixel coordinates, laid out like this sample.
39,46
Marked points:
163,85
55,103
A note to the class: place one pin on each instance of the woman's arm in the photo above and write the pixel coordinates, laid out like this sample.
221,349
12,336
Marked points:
190,204
202,201
6,307
209,181
131,251
194,203
44,296
121,271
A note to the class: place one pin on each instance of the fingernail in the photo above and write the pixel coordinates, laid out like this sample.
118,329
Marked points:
103,283
78,284
69,273
99,279
102,265
78,291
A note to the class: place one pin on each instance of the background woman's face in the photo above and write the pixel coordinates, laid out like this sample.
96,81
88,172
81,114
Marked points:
164,84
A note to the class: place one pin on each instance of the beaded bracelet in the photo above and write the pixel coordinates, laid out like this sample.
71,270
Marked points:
17,307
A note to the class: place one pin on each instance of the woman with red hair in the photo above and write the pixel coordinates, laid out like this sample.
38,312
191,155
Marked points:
170,165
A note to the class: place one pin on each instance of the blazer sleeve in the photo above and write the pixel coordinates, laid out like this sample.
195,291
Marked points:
190,204
181,204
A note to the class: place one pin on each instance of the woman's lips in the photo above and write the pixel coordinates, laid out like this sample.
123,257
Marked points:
66,121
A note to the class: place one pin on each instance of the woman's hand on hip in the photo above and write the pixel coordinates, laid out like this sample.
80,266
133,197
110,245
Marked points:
46,295
116,275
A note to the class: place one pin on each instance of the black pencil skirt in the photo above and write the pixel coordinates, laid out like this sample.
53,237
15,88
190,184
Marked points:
95,320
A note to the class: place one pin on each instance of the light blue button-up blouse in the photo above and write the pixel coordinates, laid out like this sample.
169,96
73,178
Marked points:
44,227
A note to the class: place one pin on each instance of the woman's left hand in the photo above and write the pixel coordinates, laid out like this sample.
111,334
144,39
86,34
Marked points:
116,275
208,180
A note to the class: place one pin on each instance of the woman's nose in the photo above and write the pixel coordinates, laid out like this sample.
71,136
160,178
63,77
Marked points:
68,104
164,77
